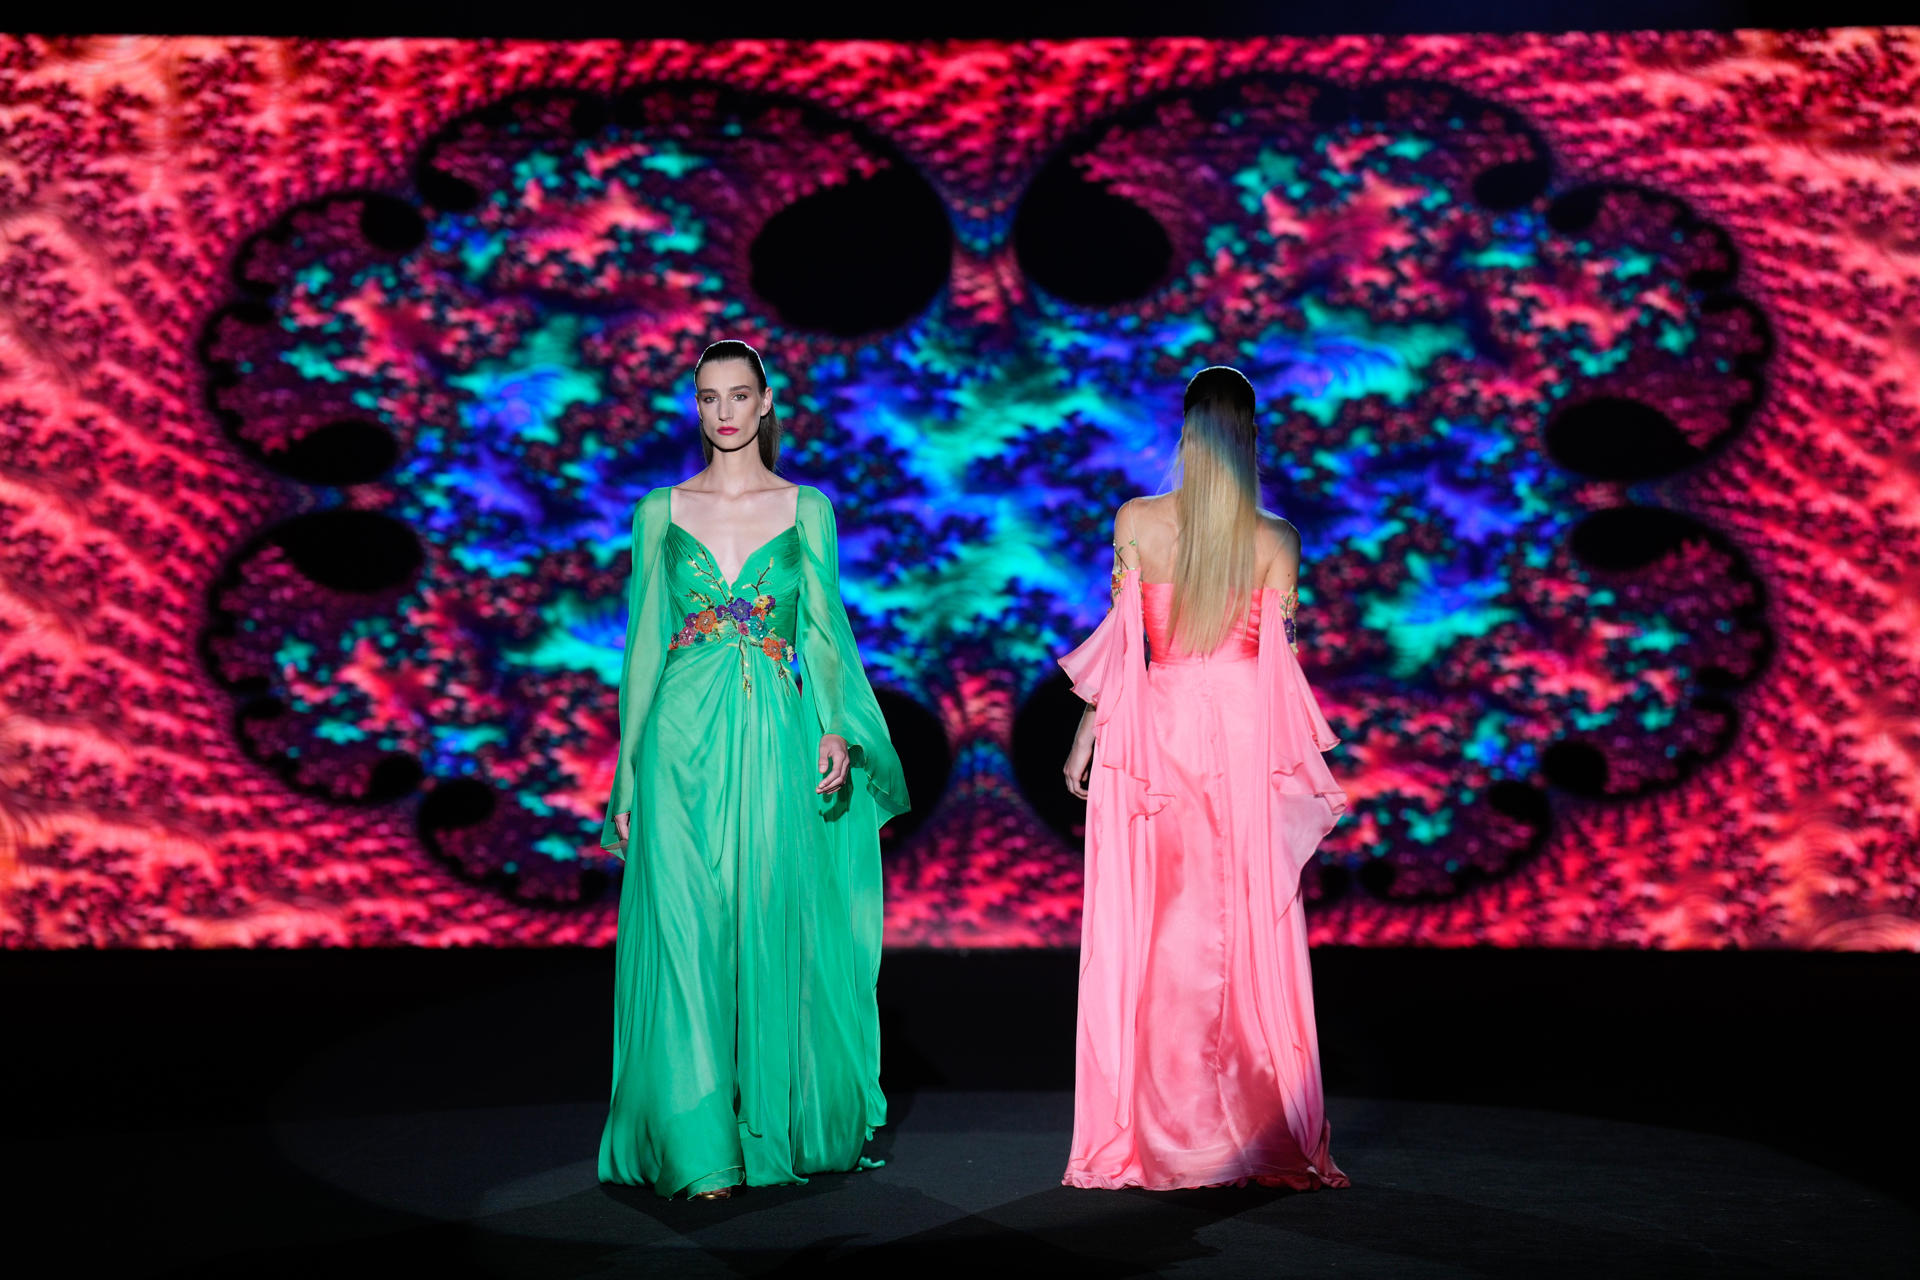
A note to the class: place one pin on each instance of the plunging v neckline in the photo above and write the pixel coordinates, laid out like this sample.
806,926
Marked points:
733,581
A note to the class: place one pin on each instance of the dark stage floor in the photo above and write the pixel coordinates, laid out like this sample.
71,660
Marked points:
973,1180
435,1114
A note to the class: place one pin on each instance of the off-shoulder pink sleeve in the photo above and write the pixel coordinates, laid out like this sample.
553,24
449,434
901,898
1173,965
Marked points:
1293,732
1110,670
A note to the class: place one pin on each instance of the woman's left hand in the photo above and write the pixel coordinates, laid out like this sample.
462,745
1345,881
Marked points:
835,761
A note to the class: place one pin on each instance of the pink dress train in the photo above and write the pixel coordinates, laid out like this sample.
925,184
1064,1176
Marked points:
1196,1061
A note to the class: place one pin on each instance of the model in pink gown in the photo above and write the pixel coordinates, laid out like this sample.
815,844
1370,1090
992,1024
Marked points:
1197,1062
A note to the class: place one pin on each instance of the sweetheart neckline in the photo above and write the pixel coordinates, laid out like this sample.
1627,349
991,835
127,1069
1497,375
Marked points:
734,581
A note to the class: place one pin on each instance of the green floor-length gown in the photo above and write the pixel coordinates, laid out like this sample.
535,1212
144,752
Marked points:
746,1043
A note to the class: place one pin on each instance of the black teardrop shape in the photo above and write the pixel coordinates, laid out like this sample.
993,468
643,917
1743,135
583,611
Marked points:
1512,185
1085,245
857,258
347,550
1617,438
925,758
455,803
391,224
1043,732
349,451
1578,767
1622,539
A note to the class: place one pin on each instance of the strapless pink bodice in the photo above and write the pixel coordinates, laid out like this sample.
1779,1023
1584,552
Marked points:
1242,645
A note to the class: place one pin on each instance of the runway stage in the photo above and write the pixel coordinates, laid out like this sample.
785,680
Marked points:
437,1114
972,1181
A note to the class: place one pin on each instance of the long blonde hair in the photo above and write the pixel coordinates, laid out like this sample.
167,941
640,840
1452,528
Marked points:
1218,504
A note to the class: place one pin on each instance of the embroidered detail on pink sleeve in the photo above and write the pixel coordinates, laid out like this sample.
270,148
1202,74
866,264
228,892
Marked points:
1120,567
1289,607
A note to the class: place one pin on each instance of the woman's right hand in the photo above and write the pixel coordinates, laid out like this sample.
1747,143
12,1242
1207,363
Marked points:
1079,762
622,825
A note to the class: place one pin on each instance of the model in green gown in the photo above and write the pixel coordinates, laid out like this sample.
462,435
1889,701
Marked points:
746,1041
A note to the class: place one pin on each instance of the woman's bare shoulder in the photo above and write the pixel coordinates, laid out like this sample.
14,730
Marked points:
1152,509
1279,529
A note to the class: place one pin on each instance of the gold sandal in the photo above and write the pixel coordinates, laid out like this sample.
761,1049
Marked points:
718,1193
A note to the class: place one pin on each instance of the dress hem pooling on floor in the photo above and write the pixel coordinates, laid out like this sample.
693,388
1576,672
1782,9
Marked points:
1207,798
746,1030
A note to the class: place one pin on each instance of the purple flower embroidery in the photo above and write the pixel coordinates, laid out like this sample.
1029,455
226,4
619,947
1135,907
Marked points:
741,620
738,619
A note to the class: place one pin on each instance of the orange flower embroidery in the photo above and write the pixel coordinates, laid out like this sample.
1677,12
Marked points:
737,620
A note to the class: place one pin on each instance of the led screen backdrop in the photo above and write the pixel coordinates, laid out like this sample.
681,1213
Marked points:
330,372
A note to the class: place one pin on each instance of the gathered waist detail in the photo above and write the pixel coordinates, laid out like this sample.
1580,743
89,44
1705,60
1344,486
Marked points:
778,650
1216,659
742,624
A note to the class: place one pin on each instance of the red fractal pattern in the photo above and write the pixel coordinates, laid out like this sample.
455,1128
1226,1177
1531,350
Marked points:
132,169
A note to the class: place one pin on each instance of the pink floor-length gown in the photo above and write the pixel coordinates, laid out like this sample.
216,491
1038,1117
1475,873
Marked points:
1197,1062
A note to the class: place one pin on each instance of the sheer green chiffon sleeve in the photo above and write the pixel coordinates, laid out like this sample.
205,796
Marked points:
832,678
839,699
644,656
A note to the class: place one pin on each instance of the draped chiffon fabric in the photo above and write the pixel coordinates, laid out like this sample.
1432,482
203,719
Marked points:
1196,1059
746,1035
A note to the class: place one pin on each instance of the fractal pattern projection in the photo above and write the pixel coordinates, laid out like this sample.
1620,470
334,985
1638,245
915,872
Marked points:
330,373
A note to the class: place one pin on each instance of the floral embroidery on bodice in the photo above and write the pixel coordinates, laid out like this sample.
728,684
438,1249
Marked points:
754,615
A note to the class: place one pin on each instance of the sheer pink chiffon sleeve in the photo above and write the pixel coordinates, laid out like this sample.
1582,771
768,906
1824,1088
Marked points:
1293,733
1110,670
1302,806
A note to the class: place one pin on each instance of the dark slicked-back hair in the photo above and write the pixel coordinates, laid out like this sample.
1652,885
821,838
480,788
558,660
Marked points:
769,429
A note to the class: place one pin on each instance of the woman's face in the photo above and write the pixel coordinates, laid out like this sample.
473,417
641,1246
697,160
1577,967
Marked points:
730,402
